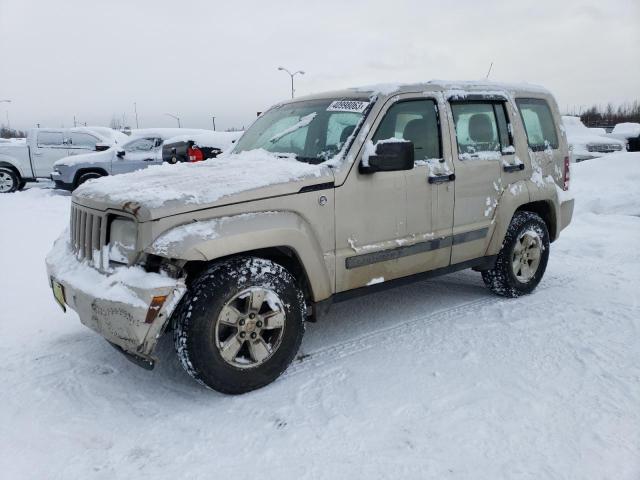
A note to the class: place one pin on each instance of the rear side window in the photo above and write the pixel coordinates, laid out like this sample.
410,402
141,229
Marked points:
50,139
83,140
481,128
538,123
416,121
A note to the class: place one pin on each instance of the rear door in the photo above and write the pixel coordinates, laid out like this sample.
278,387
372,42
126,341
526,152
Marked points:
481,141
49,146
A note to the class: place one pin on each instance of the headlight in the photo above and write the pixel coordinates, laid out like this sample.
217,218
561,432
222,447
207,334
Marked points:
122,240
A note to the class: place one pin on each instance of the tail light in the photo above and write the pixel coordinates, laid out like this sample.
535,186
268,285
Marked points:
565,176
195,154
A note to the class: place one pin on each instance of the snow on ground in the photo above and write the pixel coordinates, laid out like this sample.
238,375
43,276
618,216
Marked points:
439,379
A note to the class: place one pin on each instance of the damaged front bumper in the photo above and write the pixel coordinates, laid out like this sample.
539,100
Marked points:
129,307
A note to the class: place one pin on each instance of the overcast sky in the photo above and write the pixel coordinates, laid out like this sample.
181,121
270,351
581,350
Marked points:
94,59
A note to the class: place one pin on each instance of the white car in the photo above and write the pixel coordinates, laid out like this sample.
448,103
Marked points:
585,144
32,158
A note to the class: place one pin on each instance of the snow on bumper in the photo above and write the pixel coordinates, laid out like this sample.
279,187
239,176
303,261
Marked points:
128,306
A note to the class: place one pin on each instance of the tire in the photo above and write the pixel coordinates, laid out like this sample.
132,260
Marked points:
227,345
87,176
523,258
9,180
173,160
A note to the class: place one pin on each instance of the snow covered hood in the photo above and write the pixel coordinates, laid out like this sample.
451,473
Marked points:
164,190
86,158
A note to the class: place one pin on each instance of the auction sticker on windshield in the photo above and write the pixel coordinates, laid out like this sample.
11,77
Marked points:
355,106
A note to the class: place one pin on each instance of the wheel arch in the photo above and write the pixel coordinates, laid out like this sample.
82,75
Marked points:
82,171
546,211
283,237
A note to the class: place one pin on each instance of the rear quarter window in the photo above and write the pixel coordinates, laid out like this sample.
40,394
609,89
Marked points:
538,123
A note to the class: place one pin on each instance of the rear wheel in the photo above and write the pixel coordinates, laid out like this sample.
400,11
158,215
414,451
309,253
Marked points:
9,181
240,324
523,258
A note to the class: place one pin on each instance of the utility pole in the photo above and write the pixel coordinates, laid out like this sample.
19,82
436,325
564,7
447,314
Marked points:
135,109
213,119
74,122
291,75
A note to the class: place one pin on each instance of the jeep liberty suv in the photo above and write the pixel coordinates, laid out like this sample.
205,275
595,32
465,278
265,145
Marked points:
323,198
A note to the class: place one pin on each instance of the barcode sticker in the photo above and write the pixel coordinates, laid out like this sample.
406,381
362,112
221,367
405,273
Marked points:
355,106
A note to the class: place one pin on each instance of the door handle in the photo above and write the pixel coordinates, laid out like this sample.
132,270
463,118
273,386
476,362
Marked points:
37,154
450,177
513,168
148,160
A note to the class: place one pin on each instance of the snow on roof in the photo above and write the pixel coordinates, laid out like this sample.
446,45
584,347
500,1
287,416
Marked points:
202,182
459,87
221,140
628,129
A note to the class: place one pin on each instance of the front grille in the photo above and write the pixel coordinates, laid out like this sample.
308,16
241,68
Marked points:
88,234
604,147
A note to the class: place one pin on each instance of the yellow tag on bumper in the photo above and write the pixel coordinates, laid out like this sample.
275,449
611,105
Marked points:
58,293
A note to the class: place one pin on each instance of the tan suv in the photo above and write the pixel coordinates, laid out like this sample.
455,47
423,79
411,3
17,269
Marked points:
323,198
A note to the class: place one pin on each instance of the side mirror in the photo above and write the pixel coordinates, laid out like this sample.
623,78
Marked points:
101,147
390,156
120,153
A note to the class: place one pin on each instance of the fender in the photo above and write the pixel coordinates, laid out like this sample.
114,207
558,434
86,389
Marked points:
512,197
9,161
219,237
547,192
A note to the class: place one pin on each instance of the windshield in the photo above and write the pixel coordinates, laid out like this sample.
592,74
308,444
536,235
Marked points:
314,130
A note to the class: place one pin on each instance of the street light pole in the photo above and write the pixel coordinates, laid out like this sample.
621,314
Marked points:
291,75
7,112
213,119
135,109
176,117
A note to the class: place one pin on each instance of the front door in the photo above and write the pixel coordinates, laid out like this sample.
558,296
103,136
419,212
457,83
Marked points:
138,154
481,141
393,224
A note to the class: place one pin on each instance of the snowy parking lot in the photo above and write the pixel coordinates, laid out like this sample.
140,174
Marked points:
440,379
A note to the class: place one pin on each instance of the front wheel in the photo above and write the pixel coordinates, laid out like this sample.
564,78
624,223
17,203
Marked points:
523,258
240,324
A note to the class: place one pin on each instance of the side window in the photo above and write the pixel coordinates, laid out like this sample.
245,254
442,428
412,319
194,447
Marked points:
538,123
83,140
416,121
50,139
140,145
481,127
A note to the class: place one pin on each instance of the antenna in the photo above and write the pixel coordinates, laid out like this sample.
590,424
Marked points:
489,72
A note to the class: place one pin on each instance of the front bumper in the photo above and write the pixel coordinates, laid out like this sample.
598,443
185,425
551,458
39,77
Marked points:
122,305
62,181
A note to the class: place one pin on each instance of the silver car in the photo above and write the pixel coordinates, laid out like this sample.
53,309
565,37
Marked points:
70,172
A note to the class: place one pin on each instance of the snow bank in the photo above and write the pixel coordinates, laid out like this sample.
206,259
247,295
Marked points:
609,184
202,182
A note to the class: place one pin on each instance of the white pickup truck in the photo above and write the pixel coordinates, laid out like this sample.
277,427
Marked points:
26,161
